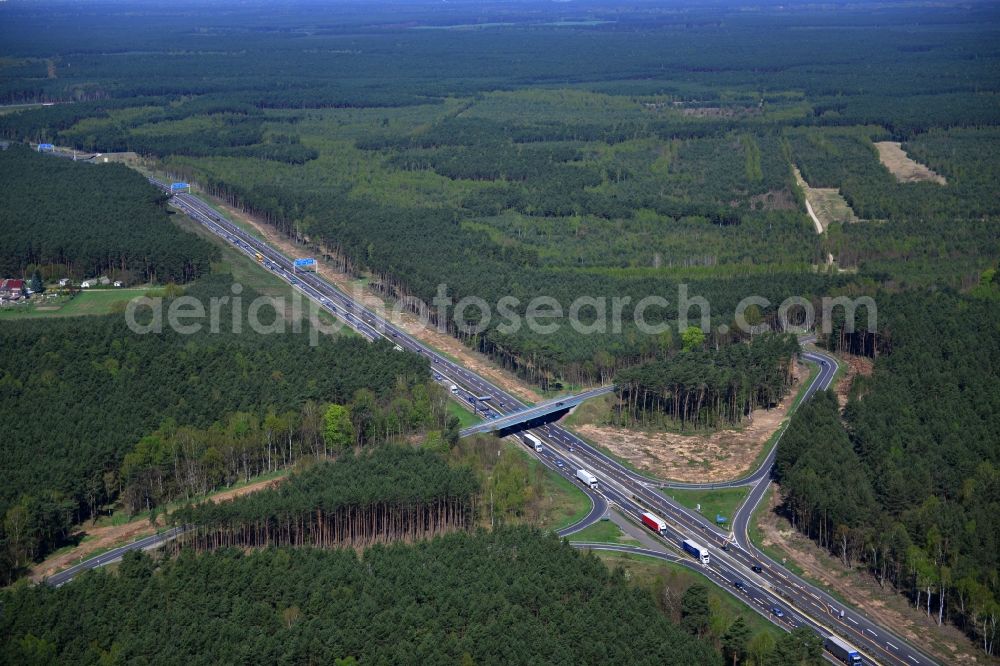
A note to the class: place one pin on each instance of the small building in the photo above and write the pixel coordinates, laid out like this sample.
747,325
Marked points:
119,283
87,284
12,290
63,282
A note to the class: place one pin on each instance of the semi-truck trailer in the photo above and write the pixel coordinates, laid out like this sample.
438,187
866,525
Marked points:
655,523
533,442
692,548
842,650
586,478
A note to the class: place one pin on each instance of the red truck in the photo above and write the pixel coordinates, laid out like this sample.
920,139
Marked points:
655,523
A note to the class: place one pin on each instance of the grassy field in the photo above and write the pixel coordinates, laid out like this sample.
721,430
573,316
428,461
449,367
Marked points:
650,573
722,501
95,302
604,531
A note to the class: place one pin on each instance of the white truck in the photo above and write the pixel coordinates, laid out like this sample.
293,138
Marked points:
454,388
586,478
533,442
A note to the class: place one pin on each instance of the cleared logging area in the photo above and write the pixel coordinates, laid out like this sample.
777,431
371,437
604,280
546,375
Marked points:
903,167
827,203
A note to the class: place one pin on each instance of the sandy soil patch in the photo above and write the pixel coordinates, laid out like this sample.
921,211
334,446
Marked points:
883,605
825,205
905,169
722,455
429,335
102,538
855,366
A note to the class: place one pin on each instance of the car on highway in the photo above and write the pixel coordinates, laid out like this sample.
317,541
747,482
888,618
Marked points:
293,281
560,463
757,568
777,612
740,585
559,404
437,377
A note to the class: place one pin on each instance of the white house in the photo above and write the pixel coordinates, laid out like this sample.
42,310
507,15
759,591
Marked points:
87,284
118,283
63,282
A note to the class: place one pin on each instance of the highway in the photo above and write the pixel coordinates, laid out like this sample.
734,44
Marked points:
764,584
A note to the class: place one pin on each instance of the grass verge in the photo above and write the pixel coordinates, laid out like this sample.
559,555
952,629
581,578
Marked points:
603,531
713,502
651,574
465,417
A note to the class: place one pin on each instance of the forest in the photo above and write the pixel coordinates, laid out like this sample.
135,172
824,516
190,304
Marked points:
383,496
906,484
97,412
508,596
78,221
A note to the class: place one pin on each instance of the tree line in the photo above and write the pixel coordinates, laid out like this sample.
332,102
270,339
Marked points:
380,496
184,461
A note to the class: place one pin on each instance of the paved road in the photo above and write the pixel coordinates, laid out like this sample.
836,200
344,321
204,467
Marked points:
114,555
631,492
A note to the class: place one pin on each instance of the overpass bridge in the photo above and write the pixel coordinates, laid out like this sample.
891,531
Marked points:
536,415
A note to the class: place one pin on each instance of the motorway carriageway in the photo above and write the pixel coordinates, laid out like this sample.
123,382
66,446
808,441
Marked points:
631,492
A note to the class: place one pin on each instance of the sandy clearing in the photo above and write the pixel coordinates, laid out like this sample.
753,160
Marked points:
825,205
722,455
903,167
410,323
855,366
102,538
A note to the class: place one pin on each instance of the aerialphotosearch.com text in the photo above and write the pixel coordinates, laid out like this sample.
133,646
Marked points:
471,315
